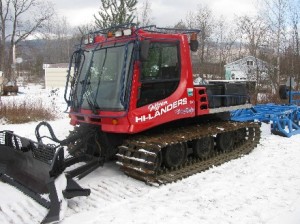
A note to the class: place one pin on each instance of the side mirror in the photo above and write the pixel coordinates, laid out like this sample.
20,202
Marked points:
194,44
144,50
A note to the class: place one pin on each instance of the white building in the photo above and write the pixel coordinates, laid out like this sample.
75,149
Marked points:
56,75
246,69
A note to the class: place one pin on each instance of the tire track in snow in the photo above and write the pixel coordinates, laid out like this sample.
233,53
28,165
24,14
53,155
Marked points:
108,190
73,206
12,214
36,208
33,211
22,212
4,217
120,193
112,189
105,193
100,195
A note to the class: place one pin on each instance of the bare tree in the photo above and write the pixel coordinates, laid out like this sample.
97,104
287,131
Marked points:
17,28
180,25
58,39
275,14
4,19
254,30
294,21
225,39
202,19
85,29
256,33
145,15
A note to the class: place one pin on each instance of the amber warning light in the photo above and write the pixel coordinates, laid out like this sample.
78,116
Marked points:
194,36
95,38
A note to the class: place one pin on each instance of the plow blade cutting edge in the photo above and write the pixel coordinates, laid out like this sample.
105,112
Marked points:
38,171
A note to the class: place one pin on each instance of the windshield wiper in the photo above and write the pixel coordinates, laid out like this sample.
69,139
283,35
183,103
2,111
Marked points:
92,106
100,76
84,83
73,80
88,95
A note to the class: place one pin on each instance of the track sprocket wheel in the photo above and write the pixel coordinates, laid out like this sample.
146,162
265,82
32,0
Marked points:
86,141
175,155
203,148
225,141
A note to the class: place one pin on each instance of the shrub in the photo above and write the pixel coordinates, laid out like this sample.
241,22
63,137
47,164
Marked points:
25,111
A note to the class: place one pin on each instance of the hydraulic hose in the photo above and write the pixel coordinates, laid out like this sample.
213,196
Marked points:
39,137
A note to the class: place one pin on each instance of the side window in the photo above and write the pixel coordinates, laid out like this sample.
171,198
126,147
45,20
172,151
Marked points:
160,74
162,62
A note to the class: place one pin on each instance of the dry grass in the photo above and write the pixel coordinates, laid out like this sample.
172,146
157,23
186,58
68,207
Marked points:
25,111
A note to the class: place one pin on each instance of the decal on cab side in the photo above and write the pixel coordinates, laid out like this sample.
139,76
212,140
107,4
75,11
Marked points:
160,108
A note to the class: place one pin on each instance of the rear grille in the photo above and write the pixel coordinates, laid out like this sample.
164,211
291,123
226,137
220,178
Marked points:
44,153
7,138
2,138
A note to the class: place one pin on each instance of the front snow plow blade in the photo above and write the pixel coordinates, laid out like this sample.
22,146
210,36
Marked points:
37,170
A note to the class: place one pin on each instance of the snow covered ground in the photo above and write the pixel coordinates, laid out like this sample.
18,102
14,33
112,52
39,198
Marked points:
262,187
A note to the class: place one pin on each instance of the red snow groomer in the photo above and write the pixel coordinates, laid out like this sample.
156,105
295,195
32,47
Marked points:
132,97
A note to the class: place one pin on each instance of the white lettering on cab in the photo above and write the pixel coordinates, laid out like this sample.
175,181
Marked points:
160,109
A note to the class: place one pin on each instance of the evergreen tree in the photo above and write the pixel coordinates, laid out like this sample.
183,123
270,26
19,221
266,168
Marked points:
115,12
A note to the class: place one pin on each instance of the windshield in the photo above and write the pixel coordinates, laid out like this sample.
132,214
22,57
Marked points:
103,77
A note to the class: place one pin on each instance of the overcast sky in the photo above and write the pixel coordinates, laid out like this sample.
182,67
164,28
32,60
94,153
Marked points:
164,12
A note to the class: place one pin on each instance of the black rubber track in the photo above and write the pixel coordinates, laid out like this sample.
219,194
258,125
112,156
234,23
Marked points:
137,157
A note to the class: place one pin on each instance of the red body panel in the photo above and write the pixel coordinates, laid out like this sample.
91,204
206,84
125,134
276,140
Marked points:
185,102
181,104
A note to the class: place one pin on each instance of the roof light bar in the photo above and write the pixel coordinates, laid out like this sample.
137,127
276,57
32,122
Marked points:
118,33
127,32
